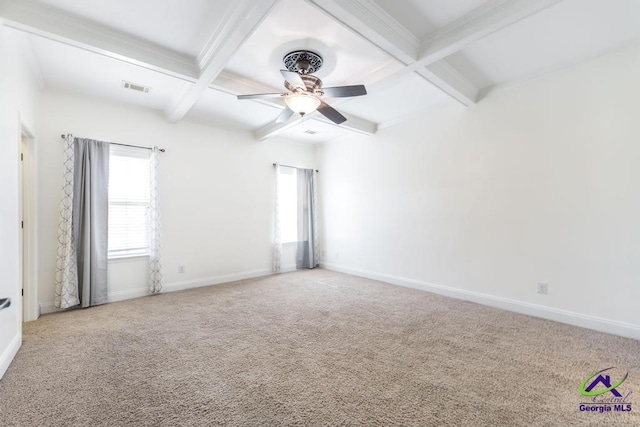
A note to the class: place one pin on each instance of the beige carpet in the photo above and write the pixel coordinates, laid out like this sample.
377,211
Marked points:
308,348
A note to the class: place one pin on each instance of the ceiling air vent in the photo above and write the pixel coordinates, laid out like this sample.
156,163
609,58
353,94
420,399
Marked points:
136,87
311,131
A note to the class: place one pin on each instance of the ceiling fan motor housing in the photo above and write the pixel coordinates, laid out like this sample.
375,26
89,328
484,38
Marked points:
313,84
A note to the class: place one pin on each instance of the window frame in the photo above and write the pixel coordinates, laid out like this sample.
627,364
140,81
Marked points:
130,252
286,237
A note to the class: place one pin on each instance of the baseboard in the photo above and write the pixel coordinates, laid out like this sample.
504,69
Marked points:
9,354
564,316
49,307
216,280
288,268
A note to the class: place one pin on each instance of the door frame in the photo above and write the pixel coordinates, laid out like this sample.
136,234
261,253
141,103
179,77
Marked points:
28,212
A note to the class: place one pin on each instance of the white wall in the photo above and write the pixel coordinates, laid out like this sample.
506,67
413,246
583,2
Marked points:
18,107
539,183
216,186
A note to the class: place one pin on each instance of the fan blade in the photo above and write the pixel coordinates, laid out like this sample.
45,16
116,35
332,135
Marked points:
260,95
294,79
344,91
331,113
285,115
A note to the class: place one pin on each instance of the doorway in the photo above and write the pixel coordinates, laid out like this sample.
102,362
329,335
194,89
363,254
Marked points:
29,304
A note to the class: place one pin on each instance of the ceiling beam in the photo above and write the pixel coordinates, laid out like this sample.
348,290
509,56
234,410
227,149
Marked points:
354,124
485,20
240,21
470,28
272,129
370,21
364,17
54,24
235,84
447,78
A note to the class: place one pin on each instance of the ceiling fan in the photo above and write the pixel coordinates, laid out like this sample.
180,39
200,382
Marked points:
305,90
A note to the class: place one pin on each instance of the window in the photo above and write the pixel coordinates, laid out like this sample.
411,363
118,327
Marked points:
288,204
129,197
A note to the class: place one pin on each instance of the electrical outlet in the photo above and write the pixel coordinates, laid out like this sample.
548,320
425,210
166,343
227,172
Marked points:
543,288
181,269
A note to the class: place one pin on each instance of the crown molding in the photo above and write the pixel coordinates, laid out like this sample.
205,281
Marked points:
631,47
32,62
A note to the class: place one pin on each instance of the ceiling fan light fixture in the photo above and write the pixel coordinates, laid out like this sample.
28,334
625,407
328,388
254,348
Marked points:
302,103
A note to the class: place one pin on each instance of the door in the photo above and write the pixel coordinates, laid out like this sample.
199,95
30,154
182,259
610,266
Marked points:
10,336
30,310
10,286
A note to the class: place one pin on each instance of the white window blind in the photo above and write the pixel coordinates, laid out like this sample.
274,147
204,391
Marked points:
288,204
129,197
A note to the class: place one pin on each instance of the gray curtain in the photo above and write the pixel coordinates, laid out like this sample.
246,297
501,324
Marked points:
307,253
90,218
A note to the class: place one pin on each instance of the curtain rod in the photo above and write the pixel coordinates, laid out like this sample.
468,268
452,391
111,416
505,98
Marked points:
287,166
162,150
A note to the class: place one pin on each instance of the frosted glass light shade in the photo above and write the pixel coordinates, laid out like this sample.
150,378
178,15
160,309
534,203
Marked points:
302,103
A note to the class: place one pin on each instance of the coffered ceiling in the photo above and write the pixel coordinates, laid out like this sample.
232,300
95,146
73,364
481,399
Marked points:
413,55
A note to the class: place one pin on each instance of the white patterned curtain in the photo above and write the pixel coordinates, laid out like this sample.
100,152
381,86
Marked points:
66,264
277,228
156,280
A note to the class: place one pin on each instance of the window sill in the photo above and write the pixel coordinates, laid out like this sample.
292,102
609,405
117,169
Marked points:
127,258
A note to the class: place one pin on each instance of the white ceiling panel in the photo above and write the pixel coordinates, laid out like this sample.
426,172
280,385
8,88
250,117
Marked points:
313,131
221,108
67,68
294,25
183,26
423,17
410,94
572,30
